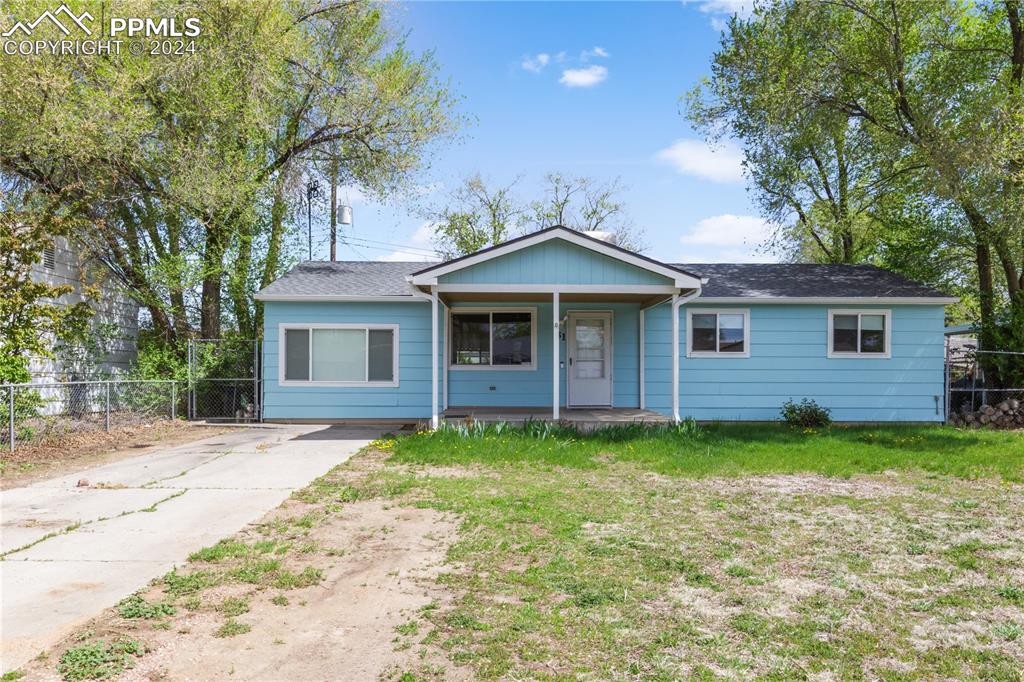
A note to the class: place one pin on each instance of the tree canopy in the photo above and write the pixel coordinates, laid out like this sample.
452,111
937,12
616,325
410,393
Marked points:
887,131
185,169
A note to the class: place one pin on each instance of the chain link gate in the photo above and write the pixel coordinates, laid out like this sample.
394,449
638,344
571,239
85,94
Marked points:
224,380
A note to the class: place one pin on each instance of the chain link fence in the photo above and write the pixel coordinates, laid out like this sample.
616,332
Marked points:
974,398
39,411
224,380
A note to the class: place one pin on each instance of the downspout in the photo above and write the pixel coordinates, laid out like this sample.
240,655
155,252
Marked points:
677,302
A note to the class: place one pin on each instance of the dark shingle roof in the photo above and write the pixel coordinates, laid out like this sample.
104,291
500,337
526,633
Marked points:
769,280
744,280
344,278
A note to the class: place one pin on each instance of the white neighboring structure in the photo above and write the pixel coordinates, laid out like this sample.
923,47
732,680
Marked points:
116,314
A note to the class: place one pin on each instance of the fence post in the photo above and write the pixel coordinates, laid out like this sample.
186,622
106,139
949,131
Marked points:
106,409
10,421
174,399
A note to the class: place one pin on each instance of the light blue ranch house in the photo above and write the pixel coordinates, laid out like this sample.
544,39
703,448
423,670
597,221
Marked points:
561,322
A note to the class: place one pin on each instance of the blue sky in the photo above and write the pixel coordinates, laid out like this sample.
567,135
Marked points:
583,88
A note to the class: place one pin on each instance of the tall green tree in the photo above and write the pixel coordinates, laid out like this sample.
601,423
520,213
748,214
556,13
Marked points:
185,167
932,94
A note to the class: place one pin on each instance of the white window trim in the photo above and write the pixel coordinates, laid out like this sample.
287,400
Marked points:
690,312
493,368
310,383
832,312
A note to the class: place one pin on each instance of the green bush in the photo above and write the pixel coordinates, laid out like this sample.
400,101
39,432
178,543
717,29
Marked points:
806,413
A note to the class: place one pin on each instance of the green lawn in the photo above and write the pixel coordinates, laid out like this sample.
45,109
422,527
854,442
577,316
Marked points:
712,553
735,449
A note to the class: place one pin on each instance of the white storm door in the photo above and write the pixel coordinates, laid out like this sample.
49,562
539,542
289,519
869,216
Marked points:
590,359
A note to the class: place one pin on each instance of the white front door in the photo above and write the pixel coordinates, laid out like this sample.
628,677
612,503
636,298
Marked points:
590,359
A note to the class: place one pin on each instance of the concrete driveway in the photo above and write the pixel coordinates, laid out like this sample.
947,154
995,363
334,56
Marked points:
70,551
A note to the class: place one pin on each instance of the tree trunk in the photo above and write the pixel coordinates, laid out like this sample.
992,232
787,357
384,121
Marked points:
278,210
213,273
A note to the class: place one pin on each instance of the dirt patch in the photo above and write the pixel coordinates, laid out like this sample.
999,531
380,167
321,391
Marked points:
361,621
66,453
386,574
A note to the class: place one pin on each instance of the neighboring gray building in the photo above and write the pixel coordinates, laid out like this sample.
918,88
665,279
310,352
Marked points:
115,319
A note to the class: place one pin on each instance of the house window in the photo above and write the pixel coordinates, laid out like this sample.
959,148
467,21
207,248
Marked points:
340,355
493,338
718,333
859,333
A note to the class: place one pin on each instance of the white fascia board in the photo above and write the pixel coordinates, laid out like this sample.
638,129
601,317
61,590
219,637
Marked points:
333,298
682,280
836,300
646,289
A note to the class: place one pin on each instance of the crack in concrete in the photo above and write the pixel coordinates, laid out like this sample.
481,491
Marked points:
75,526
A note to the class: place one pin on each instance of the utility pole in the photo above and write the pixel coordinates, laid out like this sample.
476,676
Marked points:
334,211
312,190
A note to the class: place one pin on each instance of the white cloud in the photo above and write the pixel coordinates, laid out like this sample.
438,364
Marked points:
694,157
422,240
583,78
587,55
730,238
744,8
536,63
721,10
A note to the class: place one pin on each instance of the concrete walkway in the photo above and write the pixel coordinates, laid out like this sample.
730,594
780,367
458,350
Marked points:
69,551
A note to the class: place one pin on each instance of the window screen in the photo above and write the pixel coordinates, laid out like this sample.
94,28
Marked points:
296,354
718,332
381,366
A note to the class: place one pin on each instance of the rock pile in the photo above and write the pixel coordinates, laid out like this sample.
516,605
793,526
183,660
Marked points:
1008,414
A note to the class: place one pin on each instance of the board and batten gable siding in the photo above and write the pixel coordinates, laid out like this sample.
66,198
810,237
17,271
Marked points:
789,360
409,400
532,387
554,262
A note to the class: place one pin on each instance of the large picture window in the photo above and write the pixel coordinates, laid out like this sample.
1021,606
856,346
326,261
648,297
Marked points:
718,333
339,355
859,333
493,338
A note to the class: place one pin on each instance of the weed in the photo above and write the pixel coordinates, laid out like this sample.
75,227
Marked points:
137,607
180,584
1009,631
286,580
99,660
232,627
234,606
11,676
738,571
253,571
279,600
225,549
1012,593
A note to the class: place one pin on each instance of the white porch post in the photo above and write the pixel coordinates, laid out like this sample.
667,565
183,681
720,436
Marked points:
434,419
675,357
643,363
555,352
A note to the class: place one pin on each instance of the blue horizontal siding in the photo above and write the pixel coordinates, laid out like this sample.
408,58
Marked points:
553,262
409,400
788,361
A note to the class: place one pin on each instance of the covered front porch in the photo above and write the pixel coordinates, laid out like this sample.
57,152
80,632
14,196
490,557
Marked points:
584,419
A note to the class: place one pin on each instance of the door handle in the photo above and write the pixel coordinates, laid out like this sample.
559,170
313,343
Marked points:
570,362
